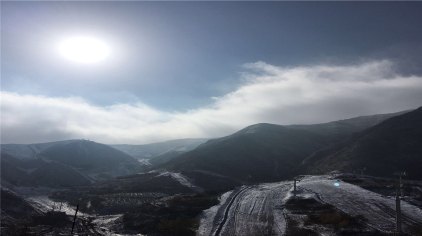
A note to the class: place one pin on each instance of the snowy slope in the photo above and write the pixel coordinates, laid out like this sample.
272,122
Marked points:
250,210
183,180
353,200
260,210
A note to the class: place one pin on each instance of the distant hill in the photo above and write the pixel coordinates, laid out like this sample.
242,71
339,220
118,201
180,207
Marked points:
152,150
267,152
261,152
28,151
393,145
337,130
15,171
56,175
37,172
164,158
64,163
96,160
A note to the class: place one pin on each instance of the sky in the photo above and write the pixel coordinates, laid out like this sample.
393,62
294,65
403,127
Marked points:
203,69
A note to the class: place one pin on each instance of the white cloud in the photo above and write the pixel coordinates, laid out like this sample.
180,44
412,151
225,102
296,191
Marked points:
307,94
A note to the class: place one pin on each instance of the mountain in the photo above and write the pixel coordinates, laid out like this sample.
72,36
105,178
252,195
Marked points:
266,152
36,172
261,152
337,130
63,164
393,145
11,171
28,151
56,175
164,158
95,160
149,151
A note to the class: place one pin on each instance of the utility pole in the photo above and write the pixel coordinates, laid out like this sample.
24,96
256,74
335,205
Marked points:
362,171
399,193
401,183
74,218
294,187
398,214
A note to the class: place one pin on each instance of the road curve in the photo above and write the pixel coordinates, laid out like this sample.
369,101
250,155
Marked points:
226,211
254,210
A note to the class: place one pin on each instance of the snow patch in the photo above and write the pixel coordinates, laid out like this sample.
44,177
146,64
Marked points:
183,180
208,215
45,204
144,162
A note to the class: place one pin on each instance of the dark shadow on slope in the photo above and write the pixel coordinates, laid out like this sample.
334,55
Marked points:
316,218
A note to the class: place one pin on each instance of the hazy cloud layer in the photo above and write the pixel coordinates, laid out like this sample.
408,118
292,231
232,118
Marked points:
308,94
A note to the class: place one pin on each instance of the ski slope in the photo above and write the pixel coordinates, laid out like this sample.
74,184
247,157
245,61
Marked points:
258,209
378,210
250,210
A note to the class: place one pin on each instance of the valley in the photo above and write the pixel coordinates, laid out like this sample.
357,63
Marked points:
241,184
210,118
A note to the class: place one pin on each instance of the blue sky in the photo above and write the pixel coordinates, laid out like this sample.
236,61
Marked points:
178,59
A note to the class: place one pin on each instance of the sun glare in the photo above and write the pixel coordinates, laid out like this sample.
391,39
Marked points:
84,50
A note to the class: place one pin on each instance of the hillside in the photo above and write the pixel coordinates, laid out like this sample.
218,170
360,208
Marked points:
56,175
164,158
37,172
96,160
152,150
340,129
14,209
267,152
28,151
393,145
261,152
64,163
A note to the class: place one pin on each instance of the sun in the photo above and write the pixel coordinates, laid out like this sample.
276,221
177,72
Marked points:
84,49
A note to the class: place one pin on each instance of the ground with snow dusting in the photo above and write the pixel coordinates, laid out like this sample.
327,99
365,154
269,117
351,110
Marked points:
252,210
261,209
96,224
379,211
183,180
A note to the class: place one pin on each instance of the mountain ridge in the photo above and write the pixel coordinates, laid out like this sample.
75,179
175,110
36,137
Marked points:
393,145
268,152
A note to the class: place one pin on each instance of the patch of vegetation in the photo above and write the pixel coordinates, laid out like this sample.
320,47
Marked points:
176,216
304,205
122,194
212,183
412,189
12,229
334,218
415,230
52,218
317,217
294,229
